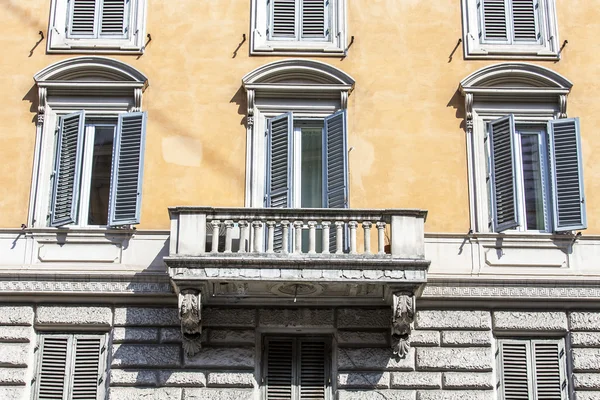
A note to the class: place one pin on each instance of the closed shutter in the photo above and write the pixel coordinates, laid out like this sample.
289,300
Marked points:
314,18
548,378
503,173
313,369
127,170
515,358
67,169
83,17
494,16
567,175
279,368
52,370
113,17
524,13
86,368
283,19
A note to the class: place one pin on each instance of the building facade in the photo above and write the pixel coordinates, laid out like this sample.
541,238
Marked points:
299,200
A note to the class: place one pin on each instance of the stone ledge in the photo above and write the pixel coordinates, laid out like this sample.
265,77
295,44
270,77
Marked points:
442,319
530,321
370,380
77,316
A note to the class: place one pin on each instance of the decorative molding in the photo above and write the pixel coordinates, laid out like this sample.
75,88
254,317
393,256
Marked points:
530,291
27,285
42,98
562,106
190,313
403,314
250,106
137,100
344,99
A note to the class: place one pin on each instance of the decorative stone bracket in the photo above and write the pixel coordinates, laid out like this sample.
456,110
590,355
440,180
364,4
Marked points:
190,313
403,314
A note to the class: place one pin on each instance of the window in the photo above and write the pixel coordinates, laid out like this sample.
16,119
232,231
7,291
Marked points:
98,170
531,369
532,167
71,366
98,25
509,28
298,26
296,368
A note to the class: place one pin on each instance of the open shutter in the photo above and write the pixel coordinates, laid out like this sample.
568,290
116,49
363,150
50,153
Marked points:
283,19
335,155
314,18
52,370
313,369
503,173
567,175
67,169
494,16
86,367
127,170
279,161
524,19
549,379
112,21
279,368
515,362
83,17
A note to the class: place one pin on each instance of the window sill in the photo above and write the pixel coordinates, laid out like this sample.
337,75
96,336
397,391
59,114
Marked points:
272,47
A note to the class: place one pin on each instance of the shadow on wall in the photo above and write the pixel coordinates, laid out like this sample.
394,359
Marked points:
457,101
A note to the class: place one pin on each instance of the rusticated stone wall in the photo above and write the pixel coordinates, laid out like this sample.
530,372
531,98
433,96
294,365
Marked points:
452,354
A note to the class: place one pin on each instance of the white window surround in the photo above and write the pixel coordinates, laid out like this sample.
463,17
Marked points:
308,88
475,47
59,41
533,94
101,86
260,44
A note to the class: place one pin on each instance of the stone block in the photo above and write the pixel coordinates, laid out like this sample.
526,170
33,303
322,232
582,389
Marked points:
454,359
73,316
131,355
332,274
14,355
12,393
13,376
16,315
364,318
291,273
122,377
352,274
587,360
171,335
217,394
376,395
467,338
585,339
439,319
585,321
586,381
231,336
135,335
363,338
21,334
370,358
142,316
234,317
231,379
126,393
587,395
530,321
182,378
222,357
296,317
424,338
312,273
455,395
468,380
270,273
370,380
250,272
416,380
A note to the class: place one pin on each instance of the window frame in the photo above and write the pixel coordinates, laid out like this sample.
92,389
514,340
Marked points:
60,39
479,48
261,42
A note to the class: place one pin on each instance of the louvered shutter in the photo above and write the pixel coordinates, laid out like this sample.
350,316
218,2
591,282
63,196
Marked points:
548,375
86,372
113,19
524,20
335,155
314,19
52,369
567,175
514,364
313,368
279,368
283,19
83,18
67,169
494,16
127,170
502,173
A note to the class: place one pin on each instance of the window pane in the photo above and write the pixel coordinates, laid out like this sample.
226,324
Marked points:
312,168
101,174
532,182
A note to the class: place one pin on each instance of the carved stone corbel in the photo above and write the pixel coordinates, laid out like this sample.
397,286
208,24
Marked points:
250,106
562,105
137,100
344,99
469,112
403,314
42,94
190,313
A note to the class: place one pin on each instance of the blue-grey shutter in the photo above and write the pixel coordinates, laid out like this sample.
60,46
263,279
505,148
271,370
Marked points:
279,161
566,168
280,368
493,16
67,170
86,368
283,19
503,173
524,20
83,18
314,18
127,170
52,372
515,367
335,157
549,380
113,17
